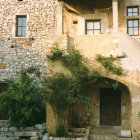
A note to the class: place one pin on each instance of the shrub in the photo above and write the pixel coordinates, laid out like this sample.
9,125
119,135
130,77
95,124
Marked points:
60,131
23,100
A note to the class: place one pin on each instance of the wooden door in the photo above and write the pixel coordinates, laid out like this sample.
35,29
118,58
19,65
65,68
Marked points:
110,107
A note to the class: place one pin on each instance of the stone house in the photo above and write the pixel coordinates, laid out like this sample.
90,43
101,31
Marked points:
28,29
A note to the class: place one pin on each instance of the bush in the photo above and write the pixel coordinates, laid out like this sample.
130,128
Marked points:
60,131
23,99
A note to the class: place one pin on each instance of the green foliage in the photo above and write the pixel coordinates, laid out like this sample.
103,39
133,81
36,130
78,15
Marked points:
23,100
64,91
60,131
73,58
115,85
107,63
55,53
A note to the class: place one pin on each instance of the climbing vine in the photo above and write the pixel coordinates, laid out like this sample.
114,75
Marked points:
66,90
107,63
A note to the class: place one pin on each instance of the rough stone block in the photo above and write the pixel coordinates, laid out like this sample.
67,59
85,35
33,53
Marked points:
16,138
23,133
2,66
4,129
9,134
62,138
56,138
126,133
78,138
50,138
3,122
12,129
73,138
38,126
68,138
34,138
29,128
46,137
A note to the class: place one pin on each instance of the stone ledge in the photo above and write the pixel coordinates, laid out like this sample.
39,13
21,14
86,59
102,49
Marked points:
125,134
3,122
23,133
34,138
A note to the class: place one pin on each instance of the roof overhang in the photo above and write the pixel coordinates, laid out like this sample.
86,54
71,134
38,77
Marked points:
86,6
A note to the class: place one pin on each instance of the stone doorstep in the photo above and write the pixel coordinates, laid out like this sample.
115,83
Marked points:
103,131
102,137
125,139
125,134
24,133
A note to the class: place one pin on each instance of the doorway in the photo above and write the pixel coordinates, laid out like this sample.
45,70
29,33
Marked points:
110,107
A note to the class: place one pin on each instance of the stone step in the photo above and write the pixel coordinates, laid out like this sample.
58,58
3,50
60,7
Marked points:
78,130
103,137
26,134
125,138
104,131
72,134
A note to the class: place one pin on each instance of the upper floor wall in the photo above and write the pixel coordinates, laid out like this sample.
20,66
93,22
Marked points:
75,21
40,18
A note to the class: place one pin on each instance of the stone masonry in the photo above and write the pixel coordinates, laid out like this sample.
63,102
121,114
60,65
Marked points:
16,52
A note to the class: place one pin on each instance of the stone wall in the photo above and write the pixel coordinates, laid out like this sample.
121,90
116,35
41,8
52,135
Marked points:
41,17
31,49
24,52
36,132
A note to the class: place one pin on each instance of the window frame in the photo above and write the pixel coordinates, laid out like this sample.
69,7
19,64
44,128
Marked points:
92,20
21,16
132,10
133,26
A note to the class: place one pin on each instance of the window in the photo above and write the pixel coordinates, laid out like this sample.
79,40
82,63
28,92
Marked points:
93,27
133,11
21,26
133,27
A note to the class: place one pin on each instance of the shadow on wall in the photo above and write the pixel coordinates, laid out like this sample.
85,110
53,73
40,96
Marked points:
3,113
131,47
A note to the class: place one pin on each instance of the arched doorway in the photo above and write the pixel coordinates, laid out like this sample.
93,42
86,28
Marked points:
110,107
